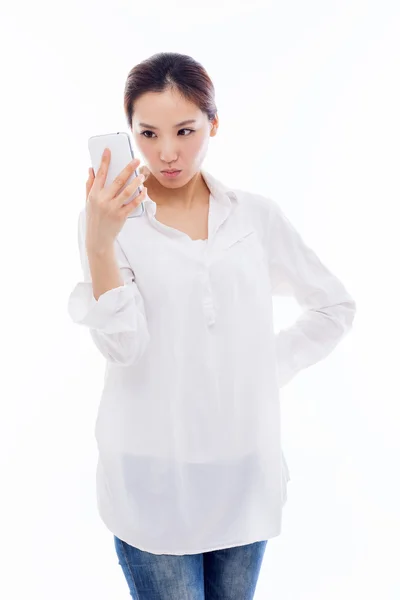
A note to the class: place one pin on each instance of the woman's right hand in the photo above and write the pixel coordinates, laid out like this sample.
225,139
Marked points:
105,213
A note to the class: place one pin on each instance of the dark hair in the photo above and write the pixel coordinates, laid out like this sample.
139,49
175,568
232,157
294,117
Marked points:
170,70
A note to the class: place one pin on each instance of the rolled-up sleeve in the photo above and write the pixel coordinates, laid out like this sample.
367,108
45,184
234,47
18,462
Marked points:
328,308
117,320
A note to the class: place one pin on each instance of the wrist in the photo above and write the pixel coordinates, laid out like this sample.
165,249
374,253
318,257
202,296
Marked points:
99,251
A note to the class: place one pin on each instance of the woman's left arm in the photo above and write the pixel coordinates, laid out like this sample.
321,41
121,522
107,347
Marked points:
328,308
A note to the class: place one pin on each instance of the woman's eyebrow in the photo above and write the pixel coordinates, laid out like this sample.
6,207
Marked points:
187,122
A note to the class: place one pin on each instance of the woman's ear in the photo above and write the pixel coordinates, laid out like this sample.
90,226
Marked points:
214,126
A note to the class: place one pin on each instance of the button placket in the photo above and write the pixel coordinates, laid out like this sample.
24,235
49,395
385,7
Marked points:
208,303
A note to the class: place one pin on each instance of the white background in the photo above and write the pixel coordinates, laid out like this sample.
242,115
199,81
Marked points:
308,95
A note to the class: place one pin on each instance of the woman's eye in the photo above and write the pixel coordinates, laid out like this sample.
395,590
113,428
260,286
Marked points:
152,132
144,132
190,131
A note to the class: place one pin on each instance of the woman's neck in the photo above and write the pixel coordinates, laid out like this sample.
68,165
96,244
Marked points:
190,195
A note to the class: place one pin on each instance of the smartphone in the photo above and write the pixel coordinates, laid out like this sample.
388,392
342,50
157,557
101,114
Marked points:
120,146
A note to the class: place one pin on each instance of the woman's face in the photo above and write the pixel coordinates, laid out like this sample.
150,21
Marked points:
165,142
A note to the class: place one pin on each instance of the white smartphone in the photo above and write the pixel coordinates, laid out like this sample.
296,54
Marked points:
121,155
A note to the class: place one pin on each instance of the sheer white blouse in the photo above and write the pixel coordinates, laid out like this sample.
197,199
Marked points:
188,427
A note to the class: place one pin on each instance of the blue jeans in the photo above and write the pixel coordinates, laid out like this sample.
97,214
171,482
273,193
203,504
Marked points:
228,574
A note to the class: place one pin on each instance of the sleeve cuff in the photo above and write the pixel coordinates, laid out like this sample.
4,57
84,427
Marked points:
114,312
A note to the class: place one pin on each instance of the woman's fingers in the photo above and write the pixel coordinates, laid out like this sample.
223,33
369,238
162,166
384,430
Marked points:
101,174
122,178
89,182
133,204
143,170
97,181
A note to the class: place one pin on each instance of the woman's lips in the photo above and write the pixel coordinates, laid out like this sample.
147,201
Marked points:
171,175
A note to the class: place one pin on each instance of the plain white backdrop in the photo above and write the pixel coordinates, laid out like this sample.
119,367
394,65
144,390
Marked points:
308,95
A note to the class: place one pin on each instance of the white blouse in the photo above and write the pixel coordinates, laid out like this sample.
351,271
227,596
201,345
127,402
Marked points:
188,427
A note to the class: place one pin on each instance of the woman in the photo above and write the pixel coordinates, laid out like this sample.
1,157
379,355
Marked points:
191,478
